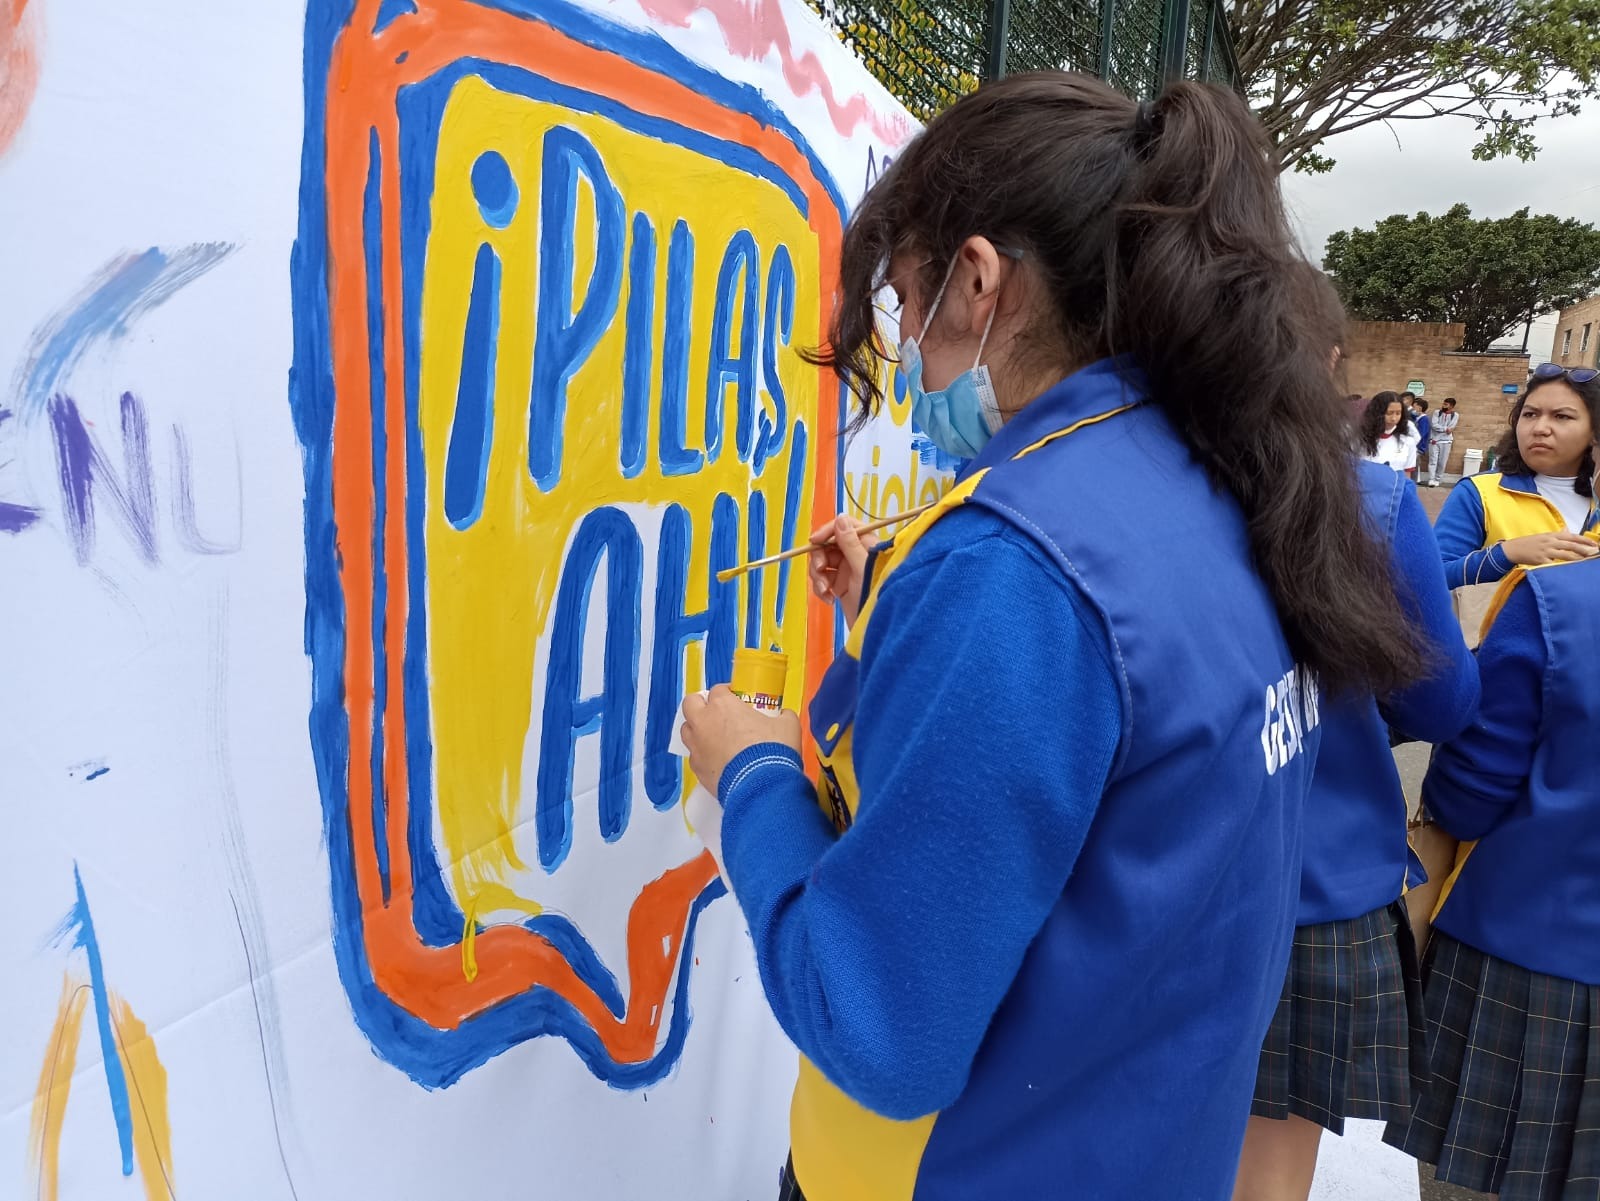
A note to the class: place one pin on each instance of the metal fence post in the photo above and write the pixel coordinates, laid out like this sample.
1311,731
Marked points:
1174,40
994,65
1108,29
1212,16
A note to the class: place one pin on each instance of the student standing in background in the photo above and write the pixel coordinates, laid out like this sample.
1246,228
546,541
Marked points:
1420,419
1534,508
1441,438
1033,934
1385,435
1512,981
1348,1038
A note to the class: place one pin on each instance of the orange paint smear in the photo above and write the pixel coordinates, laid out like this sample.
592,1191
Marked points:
364,80
19,67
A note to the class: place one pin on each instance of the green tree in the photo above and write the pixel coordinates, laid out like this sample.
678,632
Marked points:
1490,275
1314,69
927,55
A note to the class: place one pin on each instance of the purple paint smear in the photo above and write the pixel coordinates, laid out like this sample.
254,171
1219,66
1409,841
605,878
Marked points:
184,508
15,518
104,313
83,468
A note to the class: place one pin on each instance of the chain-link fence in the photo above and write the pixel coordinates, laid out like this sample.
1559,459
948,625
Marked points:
930,52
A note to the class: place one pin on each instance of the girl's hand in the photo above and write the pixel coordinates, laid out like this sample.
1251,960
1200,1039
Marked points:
1535,550
719,727
838,569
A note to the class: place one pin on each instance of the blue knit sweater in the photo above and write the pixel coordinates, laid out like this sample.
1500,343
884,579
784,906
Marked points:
865,945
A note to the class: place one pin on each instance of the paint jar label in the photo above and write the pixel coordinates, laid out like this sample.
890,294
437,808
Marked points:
758,678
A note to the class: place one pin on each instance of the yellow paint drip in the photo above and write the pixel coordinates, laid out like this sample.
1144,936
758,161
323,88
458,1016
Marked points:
55,1083
147,1087
469,941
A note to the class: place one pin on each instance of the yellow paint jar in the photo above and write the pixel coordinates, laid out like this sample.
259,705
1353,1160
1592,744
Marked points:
758,678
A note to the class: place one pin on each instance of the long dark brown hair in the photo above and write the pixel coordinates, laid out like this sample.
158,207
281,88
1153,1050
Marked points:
1372,420
1508,454
1160,233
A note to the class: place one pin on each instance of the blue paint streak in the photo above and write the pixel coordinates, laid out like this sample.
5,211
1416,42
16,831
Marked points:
117,296
431,1057
777,328
738,281
494,189
637,347
609,533
564,335
391,10
676,627
756,548
96,773
372,252
672,436
466,469
81,927
792,500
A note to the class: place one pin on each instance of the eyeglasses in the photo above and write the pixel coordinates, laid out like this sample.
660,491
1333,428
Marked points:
1577,375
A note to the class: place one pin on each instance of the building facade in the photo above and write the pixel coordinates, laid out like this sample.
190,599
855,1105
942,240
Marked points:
1391,355
1578,335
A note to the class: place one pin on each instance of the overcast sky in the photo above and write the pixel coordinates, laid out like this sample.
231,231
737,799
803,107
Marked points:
1432,168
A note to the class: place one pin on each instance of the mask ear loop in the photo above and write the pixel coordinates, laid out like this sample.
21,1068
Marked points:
984,341
938,297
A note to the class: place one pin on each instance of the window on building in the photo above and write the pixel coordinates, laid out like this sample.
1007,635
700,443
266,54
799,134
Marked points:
1566,342
1583,343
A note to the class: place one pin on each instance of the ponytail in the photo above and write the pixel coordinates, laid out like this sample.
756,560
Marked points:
1158,231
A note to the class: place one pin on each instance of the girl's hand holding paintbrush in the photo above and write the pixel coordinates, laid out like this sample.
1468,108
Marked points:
837,563
719,726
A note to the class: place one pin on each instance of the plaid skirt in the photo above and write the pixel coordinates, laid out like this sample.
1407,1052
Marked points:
1348,1037
1513,1106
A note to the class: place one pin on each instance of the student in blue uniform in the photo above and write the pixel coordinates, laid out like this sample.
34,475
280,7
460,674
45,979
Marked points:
1030,928
1512,979
1533,509
1347,1040
1424,429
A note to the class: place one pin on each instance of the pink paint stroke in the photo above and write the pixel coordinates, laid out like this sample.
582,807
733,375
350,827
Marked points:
753,27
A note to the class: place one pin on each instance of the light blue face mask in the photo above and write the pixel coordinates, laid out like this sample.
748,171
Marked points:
961,417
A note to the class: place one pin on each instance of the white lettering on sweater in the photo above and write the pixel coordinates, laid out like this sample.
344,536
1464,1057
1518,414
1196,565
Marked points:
1292,712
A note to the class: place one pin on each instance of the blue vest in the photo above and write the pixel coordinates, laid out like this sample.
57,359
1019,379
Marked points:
1529,890
1356,853
1122,1062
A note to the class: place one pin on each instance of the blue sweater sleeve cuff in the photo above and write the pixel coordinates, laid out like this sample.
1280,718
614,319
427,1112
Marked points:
1487,566
746,769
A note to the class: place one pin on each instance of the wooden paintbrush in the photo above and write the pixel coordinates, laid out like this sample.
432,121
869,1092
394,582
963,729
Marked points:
733,572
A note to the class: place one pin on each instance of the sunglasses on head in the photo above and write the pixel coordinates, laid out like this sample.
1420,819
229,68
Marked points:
1577,375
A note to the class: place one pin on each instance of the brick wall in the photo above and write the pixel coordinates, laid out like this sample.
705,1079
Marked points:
1569,332
1384,355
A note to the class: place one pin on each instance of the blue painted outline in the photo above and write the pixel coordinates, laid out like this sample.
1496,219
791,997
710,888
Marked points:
471,441
437,1058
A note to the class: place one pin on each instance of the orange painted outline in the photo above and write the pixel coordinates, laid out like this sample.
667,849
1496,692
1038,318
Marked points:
364,82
